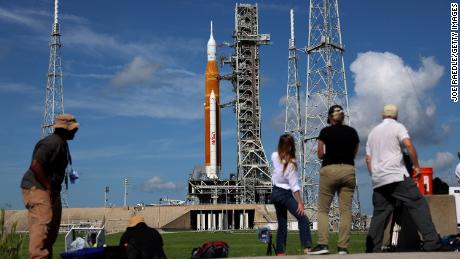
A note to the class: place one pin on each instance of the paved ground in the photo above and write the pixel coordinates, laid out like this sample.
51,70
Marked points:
431,255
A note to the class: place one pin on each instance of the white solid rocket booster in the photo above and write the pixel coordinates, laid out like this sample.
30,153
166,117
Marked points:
212,136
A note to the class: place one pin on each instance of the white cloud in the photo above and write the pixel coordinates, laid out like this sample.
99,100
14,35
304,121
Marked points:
171,93
156,183
90,75
442,161
99,44
36,19
18,88
166,91
14,16
138,71
77,35
382,78
278,120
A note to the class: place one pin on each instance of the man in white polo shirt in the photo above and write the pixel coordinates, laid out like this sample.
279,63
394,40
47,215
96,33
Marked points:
391,181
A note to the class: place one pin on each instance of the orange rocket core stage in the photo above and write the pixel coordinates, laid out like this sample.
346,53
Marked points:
211,84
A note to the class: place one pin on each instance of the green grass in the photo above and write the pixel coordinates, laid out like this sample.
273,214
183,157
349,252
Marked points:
178,245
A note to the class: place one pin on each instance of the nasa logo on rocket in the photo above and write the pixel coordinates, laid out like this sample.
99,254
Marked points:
213,138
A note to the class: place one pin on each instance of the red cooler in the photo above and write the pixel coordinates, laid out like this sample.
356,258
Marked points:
425,181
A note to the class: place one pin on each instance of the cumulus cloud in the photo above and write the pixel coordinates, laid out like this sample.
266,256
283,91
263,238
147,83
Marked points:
382,78
138,71
442,161
156,183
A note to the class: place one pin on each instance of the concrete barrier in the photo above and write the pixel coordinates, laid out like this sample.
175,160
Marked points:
443,213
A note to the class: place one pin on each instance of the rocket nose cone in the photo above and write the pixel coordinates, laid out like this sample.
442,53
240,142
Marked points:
211,42
211,46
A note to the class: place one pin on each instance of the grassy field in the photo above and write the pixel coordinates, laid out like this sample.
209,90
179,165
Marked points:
178,245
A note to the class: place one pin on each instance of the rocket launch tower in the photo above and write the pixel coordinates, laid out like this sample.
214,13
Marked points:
253,168
252,184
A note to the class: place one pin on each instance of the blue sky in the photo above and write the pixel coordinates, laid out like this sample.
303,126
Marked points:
133,76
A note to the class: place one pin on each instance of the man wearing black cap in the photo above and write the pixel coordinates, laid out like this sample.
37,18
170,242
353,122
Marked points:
41,186
337,147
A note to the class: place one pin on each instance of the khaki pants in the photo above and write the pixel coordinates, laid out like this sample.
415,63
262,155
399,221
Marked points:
44,218
340,179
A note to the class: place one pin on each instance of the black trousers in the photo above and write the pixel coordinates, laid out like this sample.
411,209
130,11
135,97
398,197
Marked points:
384,199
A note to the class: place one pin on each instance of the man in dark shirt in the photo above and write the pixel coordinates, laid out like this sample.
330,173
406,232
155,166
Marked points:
142,241
337,147
41,186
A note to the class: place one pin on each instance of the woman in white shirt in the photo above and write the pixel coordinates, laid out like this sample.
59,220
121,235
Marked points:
285,184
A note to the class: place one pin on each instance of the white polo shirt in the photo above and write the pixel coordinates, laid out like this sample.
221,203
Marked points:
384,146
288,179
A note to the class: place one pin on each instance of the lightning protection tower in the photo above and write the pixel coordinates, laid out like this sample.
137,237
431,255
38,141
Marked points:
253,167
54,98
293,123
326,86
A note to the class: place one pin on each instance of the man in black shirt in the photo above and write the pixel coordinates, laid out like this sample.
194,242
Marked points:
337,147
41,186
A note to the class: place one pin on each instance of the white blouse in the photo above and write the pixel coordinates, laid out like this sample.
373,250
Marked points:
288,179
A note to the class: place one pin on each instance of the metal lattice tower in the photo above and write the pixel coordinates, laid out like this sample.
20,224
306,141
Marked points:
253,167
326,86
293,122
54,97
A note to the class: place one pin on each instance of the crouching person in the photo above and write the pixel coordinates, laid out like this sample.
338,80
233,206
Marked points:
142,241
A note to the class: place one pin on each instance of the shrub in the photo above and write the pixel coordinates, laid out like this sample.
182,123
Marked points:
10,242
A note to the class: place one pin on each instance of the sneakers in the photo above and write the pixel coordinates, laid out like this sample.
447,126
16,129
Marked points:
324,249
319,250
342,251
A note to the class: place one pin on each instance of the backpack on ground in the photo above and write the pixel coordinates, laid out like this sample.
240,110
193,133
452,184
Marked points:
216,249
440,187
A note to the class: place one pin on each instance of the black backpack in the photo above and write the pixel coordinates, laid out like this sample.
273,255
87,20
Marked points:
216,249
440,187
